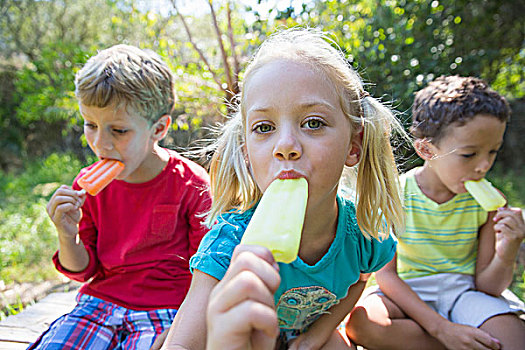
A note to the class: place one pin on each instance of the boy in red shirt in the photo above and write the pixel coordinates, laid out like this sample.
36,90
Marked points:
136,236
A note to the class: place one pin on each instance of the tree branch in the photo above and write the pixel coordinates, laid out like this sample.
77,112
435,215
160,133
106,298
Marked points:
196,48
227,70
236,66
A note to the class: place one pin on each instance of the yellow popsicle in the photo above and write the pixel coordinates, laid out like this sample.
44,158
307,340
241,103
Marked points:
485,194
278,220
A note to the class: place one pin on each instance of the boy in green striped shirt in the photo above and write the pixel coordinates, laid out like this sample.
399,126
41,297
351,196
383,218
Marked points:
454,259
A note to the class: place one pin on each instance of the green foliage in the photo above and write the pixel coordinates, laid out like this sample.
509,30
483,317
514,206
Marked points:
27,235
10,128
518,284
400,45
47,84
11,309
511,183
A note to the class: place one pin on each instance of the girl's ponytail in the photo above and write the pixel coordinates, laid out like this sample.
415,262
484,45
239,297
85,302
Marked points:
231,184
379,204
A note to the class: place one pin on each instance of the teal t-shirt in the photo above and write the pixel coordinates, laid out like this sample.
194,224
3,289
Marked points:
306,291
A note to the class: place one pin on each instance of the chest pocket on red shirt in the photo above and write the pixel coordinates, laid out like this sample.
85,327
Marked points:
164,222
159,236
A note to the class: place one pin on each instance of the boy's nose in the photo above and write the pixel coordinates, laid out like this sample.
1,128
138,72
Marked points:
287,147
102,141
484,166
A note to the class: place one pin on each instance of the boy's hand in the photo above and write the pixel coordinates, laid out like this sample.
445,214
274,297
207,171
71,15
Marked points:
510,232
461,337
64,210
241,308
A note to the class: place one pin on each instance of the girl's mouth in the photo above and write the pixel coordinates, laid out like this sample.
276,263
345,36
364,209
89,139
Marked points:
289,174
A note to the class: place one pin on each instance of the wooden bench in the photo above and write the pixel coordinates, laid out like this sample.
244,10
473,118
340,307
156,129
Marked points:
20,330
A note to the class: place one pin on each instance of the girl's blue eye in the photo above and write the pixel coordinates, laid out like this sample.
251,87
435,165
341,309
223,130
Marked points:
263,128
313,124
120,131
90,126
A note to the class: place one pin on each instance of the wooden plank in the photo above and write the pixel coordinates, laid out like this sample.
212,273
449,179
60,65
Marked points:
12,346
25,327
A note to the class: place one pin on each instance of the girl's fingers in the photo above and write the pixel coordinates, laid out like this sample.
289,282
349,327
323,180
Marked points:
261,317
262,252
243,287
241,306
255,316
250,260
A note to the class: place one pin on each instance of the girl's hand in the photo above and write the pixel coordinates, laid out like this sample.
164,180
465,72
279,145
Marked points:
510,232
304,341
461,337
64,210
241,312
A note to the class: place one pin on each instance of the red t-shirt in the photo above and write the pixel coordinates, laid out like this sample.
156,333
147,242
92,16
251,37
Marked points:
140,237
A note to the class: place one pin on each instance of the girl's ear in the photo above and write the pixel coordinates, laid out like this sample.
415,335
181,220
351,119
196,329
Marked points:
354,155
424,149
161,127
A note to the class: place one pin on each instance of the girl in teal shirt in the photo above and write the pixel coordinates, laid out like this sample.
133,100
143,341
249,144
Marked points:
303,113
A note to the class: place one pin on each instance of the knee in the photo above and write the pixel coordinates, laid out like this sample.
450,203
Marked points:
358,325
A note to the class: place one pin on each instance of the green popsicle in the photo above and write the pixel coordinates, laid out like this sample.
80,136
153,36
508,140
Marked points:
485,194
278,220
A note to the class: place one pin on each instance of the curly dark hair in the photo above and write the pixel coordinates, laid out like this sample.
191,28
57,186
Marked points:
454,99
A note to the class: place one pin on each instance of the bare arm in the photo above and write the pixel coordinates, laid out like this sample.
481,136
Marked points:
498,246
453,336
64,210
188,330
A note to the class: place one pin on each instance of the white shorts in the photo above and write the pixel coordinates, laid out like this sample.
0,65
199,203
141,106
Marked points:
454,297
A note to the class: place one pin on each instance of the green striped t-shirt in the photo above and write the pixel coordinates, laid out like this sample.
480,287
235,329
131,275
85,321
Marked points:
438,238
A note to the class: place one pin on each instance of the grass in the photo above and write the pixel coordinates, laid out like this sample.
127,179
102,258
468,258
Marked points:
11,309
28,237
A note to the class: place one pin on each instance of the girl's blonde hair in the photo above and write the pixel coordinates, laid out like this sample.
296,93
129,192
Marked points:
379,205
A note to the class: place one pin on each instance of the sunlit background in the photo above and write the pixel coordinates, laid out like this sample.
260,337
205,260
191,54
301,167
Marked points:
397,46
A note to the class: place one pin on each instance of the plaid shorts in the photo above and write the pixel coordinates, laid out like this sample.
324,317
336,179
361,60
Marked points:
98,324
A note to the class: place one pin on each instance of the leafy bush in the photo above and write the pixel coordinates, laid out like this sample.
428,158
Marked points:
27,235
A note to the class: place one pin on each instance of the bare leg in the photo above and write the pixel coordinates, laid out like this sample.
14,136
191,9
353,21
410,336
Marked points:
509,329
157,344
377,323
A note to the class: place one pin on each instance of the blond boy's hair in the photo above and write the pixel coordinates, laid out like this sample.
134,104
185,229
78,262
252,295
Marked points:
379,206
126,75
